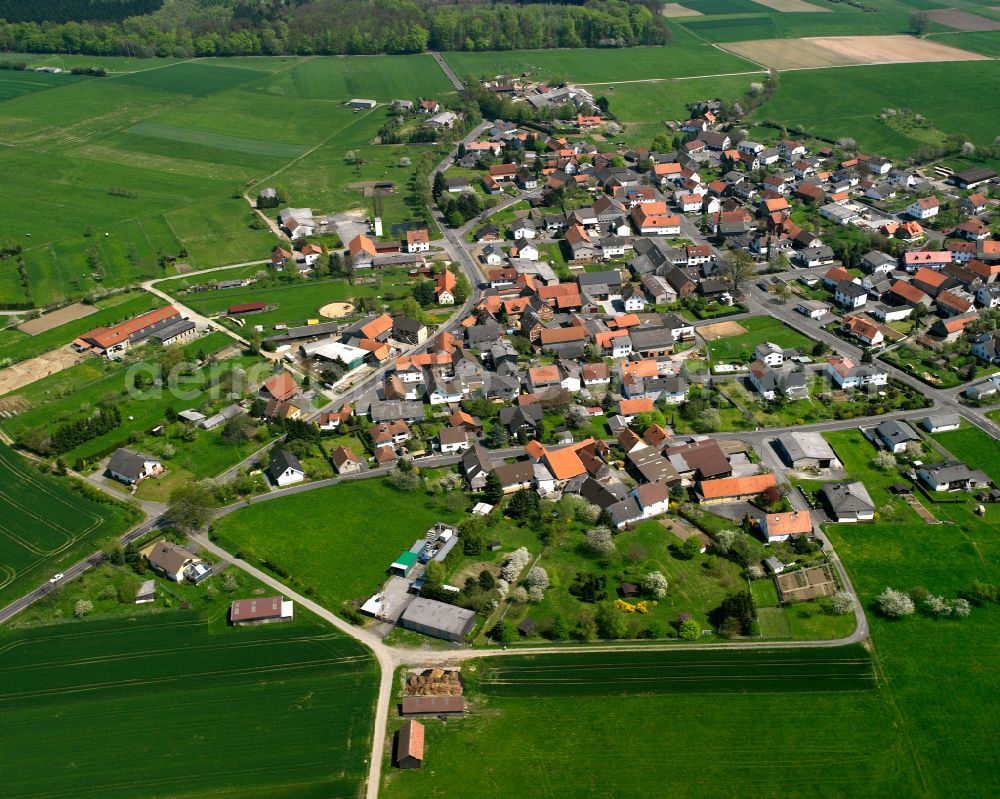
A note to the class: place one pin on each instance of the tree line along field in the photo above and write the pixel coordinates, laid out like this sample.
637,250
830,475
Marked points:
160,706
153,158
44,524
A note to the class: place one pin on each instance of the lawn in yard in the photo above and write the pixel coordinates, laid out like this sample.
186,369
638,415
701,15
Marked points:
695,586
758,330
337,541
214,692
976,449
937,369
46,524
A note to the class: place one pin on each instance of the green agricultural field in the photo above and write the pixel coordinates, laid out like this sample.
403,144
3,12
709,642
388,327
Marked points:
14,84
847,101
985,42
113,309
685,57
974,448
45,525
383,78
122,170
274,711
680,672
759,329
340,540
639,706
740,20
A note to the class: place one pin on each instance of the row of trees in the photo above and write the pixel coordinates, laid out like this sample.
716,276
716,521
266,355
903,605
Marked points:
76,433
332,27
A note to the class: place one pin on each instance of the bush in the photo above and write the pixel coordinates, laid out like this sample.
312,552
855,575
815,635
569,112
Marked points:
655,584
515,564
82,608
841,603
689,630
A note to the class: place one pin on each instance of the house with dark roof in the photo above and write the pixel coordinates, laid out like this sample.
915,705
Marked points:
130,467
848,502
285,469
894,435
952,476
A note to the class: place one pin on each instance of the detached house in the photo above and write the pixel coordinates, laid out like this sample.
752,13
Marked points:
924,208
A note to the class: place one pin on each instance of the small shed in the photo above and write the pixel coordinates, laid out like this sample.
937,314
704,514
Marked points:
527,627
403,565
628,590
146,593
900,488
494,545
410,745
775,565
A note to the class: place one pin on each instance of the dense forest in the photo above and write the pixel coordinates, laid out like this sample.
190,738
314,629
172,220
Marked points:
183,28
75,10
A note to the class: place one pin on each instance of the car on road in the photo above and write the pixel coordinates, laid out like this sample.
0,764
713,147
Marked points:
55,578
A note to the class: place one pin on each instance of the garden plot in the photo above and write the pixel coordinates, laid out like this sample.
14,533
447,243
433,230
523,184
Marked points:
837,51
721,330
962,20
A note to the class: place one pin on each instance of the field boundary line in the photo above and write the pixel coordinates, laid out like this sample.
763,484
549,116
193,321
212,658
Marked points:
762,70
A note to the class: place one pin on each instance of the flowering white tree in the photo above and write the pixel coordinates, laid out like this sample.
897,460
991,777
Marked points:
841,602
515,564
599,540
885,461
537,577
894,604
82,608
755,571
519,594
960,607
655,584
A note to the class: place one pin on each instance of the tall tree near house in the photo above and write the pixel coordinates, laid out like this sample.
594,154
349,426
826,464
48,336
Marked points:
737,268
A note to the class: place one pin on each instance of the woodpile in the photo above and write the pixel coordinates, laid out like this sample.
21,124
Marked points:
434,682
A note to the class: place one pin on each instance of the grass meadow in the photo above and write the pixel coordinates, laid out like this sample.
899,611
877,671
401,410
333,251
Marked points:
45,524
338,541
165,705
643,107
759,329
120,170
972,446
